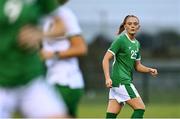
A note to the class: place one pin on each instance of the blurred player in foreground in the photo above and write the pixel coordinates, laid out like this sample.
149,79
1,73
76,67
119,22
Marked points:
126,54
61,57
22,83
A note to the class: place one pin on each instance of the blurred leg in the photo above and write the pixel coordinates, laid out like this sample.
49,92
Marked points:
73,105
8,101
41,101
73,102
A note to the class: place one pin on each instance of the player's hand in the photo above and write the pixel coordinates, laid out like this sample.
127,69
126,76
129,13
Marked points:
108,83
46,54
153,72
30,37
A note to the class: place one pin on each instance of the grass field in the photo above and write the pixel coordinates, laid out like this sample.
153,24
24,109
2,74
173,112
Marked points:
95,107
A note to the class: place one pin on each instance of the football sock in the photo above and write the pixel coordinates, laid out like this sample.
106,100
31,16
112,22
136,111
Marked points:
138,113
110,115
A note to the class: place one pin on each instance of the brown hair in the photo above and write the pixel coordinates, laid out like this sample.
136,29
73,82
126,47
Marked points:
121,27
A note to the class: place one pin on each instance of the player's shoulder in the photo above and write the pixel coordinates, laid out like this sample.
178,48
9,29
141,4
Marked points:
120,37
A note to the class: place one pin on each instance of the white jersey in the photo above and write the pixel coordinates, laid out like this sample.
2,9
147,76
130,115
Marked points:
64,72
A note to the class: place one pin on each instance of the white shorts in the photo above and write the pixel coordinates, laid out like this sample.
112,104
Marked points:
123,93
36,99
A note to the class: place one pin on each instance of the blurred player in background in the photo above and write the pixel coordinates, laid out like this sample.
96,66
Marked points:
126,54
21,70
61,57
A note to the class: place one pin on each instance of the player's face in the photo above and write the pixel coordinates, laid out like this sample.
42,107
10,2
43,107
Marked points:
132,25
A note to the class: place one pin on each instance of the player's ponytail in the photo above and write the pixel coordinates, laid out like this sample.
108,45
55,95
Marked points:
121,27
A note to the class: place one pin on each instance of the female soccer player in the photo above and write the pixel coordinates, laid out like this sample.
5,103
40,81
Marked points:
61,55
22,83
125,50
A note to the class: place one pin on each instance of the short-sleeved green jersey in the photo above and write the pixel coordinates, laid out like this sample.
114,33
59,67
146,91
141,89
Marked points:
18,66
125,52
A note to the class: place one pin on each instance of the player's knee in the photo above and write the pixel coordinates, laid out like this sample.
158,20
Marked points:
143,107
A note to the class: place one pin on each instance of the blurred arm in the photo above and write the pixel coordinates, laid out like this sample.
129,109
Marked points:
78,48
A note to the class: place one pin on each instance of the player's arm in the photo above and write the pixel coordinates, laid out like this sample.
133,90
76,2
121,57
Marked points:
78,48
114,48
105,64
141,68
30,37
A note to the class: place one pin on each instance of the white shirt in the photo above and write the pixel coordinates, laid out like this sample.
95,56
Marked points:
64,72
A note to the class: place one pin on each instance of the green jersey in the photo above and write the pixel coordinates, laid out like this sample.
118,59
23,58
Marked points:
125,52
19,66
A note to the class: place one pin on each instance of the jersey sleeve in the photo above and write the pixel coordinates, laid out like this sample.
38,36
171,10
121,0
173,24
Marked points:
48,6
70,21
138,53
116,45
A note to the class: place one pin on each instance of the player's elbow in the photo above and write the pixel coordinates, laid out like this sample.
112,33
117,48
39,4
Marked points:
137,67
84,50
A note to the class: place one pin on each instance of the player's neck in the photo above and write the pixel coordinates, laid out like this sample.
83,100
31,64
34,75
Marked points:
131,36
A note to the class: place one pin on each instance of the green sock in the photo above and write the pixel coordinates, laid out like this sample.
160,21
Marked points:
110,115
138,113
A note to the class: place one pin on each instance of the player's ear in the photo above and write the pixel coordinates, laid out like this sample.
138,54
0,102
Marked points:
125,26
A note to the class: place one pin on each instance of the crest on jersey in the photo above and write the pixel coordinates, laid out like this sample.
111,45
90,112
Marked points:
12,9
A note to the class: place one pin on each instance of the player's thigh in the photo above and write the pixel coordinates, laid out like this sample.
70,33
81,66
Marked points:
136,103
67,92
114,106
75,94
74,102
41,100
8,102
